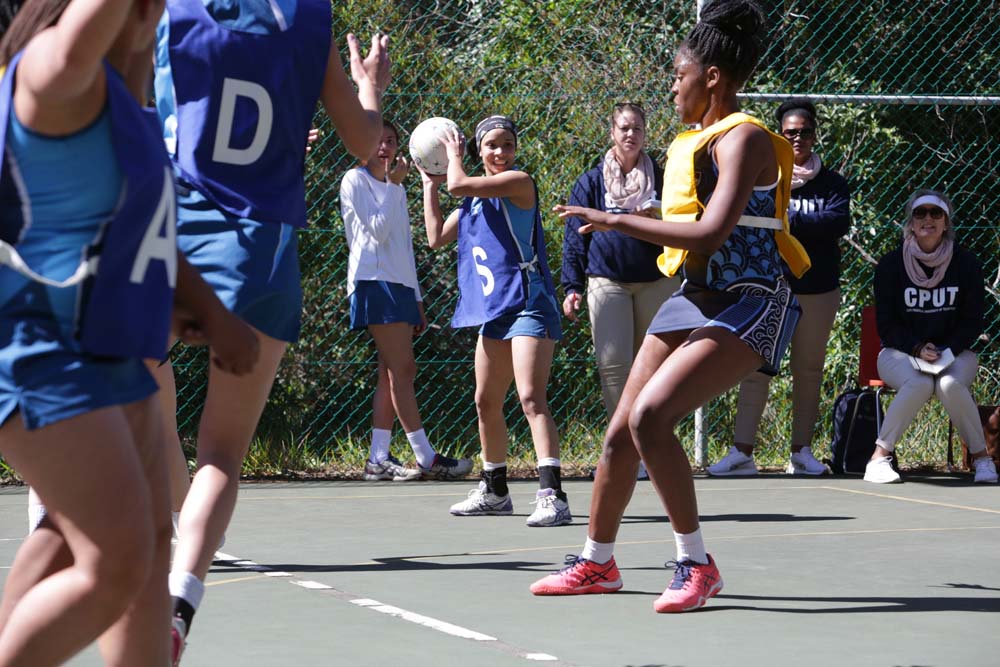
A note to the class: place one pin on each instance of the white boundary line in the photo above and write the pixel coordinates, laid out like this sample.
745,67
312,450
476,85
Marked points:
411,617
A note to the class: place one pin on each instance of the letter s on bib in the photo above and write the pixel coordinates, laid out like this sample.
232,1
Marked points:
231,89
478,254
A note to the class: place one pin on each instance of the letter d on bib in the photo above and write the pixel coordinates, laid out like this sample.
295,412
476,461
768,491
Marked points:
231,89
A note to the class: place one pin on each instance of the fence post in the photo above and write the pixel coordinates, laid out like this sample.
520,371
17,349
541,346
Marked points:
699,437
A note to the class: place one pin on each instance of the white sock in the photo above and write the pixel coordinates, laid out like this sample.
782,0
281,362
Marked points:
186,586
487,466
422,449
549,462
691,547
599,552
379,450
36,510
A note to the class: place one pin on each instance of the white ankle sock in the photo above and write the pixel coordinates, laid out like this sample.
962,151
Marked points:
691,547
554,462
422,449
186,586
493,466
379,450
599,552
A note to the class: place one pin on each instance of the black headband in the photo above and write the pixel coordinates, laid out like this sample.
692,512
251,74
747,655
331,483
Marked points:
494,123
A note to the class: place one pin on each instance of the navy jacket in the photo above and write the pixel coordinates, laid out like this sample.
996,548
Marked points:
949,315
819,213
607,254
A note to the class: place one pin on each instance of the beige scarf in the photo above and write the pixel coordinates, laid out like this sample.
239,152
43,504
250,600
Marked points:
807,172
938,260
627,191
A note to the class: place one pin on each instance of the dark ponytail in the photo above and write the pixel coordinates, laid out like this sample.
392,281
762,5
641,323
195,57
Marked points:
29,17
730,36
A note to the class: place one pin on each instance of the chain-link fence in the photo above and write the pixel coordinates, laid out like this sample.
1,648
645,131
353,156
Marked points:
904,95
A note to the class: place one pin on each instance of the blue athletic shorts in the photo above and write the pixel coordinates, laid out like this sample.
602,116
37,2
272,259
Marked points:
252,266
540,319
380,302
45,377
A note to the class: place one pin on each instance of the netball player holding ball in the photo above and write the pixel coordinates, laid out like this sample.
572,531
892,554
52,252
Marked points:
506,290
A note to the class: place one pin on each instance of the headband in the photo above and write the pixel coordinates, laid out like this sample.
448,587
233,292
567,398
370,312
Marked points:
934,200
494,123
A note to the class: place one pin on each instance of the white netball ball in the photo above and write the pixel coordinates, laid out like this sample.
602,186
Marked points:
426,147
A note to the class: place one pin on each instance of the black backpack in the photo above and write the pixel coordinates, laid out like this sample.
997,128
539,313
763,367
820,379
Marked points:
857,415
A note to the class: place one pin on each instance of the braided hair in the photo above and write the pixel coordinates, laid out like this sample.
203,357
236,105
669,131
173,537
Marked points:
730,36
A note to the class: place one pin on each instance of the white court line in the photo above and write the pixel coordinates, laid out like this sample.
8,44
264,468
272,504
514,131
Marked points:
411,617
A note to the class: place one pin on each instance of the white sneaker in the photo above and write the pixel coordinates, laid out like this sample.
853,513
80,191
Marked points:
804,463
550,510
733,463
483,503
986,470
879,471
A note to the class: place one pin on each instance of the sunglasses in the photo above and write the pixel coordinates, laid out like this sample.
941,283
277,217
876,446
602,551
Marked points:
924,211
805,133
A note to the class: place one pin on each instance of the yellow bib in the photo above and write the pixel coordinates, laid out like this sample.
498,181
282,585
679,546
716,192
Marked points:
680,194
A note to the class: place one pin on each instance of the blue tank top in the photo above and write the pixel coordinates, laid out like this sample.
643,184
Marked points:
237,83
109,212
749,254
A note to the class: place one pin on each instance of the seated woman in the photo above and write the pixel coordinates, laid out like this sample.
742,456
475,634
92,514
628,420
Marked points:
929,307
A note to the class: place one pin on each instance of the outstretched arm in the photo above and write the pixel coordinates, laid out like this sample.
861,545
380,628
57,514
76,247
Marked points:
357,115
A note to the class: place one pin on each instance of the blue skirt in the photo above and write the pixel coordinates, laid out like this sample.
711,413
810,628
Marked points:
380,302
252,266
763,316
538,319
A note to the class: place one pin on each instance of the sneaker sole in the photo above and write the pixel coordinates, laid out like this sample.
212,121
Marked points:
377,478
795,470
735,472
887,481
489,513
699,603
537,524
992,480
590,589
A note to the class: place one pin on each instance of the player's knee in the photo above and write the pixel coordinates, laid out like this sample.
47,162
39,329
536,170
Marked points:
533,405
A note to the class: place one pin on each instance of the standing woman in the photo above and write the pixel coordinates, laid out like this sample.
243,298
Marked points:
237,83
819,214
84,175
624,286
724,205
385,299
506,290
929,299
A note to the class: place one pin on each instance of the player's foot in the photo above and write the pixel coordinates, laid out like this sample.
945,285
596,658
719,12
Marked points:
447,468
392,469
580,577
734,463
986,470
483,503
804,463
178,640
879,471
550,510
693,584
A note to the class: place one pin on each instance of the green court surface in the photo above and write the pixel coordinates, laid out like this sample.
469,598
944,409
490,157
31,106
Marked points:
818,571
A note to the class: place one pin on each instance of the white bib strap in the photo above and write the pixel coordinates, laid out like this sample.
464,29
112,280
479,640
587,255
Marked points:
757,221
10,257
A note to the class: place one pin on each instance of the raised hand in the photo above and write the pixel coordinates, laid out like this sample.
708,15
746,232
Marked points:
375,67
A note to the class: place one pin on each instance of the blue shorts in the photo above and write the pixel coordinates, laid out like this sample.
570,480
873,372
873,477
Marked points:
379,302
252,266
45,377
540,319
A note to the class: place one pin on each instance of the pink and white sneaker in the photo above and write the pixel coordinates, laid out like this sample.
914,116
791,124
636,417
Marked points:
692,586
580,577
178,640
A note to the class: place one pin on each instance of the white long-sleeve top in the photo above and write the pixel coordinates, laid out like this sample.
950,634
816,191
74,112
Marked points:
377,226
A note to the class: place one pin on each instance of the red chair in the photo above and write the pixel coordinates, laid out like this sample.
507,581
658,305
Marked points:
868,378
